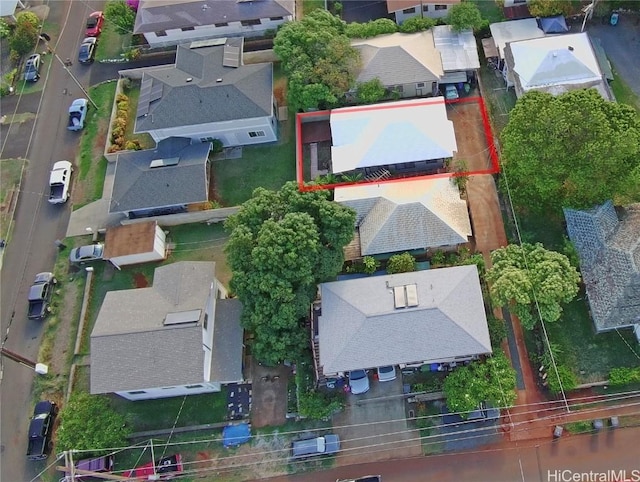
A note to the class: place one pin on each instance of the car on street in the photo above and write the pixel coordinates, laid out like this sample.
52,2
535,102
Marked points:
165,468
386,374
358,381
77,114
59,182
309,447
40,429
86,254
87,52
94,24
32,68
40,296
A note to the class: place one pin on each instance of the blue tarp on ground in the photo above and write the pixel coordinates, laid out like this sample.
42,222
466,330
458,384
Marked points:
555,24
234,435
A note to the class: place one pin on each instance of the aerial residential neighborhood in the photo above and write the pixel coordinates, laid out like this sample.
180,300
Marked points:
309,240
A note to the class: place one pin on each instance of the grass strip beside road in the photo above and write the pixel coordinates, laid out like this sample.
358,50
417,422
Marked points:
623,92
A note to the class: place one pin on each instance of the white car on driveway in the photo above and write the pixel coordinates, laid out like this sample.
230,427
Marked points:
386,374
358,381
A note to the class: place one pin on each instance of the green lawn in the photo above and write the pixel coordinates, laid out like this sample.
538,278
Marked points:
111,43
10,173
623,93
268,166
489,10
591,355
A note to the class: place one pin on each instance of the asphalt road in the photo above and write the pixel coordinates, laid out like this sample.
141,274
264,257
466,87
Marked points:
545,462
37,225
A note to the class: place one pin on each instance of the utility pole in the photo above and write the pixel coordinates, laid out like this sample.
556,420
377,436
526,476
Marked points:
45,38
39,368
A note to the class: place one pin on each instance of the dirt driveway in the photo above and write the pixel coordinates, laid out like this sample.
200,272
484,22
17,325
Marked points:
373,426
471,138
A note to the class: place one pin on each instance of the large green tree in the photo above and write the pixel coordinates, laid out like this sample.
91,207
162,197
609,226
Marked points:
281,245
571,150
493,381
464,16
87,422
524,274
318,59
25,34
121,15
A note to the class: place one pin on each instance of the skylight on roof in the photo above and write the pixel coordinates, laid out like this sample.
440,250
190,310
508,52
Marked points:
167,161
405,296
182,317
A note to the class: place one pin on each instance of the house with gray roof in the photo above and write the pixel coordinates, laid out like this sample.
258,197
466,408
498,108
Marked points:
414,65
164,180
608,245
171,22
407,215
179,336
423,317
209,94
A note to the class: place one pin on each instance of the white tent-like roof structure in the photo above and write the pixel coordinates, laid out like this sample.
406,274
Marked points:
391,133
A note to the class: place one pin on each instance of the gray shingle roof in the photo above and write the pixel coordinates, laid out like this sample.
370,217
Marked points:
215,93
138,186
226,360
409,215
392,65
131,349
609,252
156,15
360,328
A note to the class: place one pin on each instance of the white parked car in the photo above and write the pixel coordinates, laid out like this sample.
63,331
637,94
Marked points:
358,382
386,374
59,182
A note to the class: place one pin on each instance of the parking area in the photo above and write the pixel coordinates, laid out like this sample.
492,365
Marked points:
373,426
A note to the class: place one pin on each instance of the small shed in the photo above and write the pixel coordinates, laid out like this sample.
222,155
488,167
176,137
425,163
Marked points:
135,243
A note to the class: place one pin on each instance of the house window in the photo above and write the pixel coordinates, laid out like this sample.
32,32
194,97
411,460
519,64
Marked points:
409,10
205,322
420,85
137,392
186,29
276,18
256,134
248,23
425,8
441,7
161,33
221,24
193,386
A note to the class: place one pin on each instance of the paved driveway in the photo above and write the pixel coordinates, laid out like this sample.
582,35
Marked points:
374,427
622,46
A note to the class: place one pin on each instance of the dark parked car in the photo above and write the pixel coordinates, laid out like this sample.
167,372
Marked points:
86,254
40,429
32,68
87,53
94,24
101,465
40,296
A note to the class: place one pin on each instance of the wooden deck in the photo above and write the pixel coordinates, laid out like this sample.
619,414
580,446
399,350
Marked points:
352,250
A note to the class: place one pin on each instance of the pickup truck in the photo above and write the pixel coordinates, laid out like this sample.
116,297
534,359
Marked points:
77,114
40,296
59,182
40,429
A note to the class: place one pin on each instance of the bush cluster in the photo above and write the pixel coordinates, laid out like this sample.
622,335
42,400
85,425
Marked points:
119,127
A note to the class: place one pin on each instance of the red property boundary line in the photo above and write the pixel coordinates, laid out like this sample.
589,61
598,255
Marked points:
493,153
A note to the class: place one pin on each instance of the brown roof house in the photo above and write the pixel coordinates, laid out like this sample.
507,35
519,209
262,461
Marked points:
179,336
423,317
608,245
135,243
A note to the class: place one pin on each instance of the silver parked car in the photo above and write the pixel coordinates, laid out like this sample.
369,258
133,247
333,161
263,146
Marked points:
386,374
358,381
328,444
32,68
86,254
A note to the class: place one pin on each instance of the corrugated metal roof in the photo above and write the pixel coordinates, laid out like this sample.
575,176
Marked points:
458,50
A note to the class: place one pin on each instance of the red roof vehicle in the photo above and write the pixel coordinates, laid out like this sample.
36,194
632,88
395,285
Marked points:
94,24
165,468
